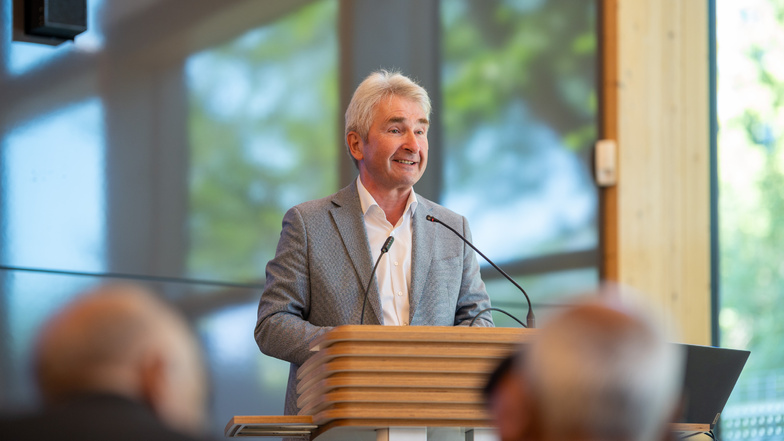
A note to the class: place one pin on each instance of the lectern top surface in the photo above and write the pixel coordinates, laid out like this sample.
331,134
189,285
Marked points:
463,334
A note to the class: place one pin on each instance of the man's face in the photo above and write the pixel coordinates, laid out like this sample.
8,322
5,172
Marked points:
395,154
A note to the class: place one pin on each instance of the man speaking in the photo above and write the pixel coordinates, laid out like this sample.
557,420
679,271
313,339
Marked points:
328,247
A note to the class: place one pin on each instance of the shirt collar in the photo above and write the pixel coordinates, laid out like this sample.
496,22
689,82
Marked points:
367,201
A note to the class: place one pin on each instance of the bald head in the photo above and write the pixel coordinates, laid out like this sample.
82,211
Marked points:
121,339
603,371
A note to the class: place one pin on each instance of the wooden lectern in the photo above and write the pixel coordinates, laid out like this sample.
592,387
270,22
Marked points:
386,382
396,383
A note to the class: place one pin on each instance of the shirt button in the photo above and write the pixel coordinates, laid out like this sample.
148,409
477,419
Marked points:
395,263
400,294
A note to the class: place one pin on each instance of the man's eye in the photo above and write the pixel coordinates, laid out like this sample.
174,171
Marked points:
394,130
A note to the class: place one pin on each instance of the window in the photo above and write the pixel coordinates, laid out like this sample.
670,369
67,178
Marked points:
50,169
262,136
751,206
180,141
520,119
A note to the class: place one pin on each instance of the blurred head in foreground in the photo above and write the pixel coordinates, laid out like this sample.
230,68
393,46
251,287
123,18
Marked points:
505,394
121,340
603,369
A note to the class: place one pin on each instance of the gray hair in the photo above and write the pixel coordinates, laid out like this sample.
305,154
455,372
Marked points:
376,87
604,372
107,336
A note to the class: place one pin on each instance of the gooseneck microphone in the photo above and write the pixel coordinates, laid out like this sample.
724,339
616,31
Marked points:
531,321
384,249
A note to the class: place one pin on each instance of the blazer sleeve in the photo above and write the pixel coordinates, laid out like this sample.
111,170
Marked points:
473,297
282,329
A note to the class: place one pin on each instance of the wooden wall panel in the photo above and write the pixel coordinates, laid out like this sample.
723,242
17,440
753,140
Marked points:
662,211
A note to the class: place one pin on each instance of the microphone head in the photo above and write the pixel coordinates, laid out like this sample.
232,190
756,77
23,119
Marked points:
387,244
430,218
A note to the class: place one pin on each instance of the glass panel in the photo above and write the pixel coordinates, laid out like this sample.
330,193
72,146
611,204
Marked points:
244,381
546,290
519,85
53,218
263,138
29,299
51,170
750,50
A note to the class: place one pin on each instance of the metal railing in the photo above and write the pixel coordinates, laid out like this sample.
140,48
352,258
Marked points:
755,411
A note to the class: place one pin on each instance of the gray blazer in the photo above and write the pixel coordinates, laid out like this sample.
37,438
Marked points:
323,263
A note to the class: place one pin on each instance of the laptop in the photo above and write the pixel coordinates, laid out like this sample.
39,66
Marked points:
710,376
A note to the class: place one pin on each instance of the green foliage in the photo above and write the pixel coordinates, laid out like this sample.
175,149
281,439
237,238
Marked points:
519,86
751,162
752,283
545,54
262,138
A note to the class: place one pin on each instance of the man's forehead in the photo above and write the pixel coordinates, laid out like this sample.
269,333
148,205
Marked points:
395,108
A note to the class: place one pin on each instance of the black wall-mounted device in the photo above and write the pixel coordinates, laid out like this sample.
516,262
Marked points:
63,19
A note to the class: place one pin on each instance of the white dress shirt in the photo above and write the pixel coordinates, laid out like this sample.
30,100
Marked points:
394,271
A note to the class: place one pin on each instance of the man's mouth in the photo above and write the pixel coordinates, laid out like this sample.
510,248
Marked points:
403,161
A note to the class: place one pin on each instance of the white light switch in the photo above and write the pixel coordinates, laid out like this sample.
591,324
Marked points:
605,162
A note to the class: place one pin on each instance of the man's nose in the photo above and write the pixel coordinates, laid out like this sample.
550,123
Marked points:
412,142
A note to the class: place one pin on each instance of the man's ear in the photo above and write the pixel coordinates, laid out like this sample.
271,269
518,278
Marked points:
354,142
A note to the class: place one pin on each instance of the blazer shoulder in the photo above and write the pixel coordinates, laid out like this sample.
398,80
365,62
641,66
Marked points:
439,211
343,197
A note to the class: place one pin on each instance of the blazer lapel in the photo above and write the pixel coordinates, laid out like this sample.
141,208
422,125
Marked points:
422,243
347,213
